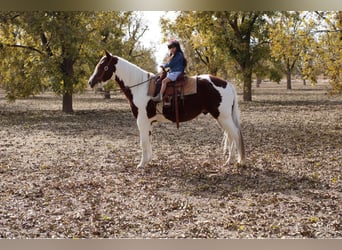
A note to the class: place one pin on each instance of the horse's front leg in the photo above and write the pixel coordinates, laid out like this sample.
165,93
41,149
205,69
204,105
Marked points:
144,127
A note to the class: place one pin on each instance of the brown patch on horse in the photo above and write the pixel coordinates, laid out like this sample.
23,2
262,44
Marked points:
212,97
206,100
108,68
129,96
151,109
218,81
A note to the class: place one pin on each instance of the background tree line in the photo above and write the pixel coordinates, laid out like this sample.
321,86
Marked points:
239,45
58,50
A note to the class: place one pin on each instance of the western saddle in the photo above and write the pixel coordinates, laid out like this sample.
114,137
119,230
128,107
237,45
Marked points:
173,93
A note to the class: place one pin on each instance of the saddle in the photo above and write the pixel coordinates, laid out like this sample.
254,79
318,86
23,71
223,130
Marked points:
177,86
174,93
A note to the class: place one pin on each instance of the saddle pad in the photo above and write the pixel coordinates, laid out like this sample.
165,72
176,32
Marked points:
190,86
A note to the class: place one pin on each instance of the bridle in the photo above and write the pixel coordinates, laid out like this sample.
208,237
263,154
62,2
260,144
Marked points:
105,69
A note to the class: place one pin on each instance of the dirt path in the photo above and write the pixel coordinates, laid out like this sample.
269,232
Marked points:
74,175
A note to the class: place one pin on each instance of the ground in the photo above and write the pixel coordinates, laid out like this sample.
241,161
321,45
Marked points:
75,176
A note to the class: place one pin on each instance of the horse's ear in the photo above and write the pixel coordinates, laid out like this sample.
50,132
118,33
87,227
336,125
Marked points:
108,54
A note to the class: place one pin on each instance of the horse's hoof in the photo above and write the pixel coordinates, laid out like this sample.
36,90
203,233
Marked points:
227,163
140,165
241,164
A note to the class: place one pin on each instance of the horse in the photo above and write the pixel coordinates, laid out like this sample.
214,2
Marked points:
214,95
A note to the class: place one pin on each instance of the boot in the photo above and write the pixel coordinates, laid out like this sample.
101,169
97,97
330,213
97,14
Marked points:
157,98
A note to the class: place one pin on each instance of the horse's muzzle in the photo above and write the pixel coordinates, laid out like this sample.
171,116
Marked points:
91,83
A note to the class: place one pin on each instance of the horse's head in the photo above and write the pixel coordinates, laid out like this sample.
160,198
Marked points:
104,70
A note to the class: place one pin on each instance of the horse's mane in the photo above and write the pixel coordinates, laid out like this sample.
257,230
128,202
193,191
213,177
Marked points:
131,73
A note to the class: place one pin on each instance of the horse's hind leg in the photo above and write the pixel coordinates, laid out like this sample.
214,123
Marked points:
228,145
232,133
225,141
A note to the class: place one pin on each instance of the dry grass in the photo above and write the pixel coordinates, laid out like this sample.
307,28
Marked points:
74,175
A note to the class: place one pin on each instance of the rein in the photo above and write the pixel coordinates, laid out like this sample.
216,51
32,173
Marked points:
140,83
129,87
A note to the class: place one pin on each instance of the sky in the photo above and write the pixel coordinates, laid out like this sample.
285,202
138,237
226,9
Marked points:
152,37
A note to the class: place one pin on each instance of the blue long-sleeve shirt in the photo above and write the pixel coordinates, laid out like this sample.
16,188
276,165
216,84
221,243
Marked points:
176,64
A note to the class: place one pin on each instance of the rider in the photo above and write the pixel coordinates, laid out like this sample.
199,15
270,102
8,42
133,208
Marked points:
177,64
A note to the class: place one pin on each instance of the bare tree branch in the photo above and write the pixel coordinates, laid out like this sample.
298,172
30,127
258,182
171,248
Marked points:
23,47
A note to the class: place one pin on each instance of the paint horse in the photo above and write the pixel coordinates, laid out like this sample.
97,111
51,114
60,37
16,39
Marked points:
214,95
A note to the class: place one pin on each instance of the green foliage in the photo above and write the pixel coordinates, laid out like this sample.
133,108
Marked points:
58,50
289,36
18,70
230,43
244,36
329,49
52,50
196,30
309,42
222,42
275,74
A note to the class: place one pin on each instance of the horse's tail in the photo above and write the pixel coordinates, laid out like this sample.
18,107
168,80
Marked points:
236,120
235,109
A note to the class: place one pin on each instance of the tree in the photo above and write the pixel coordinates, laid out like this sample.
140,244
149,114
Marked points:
245,37
58,50
330,48
218,38
292,43
198,35
261,70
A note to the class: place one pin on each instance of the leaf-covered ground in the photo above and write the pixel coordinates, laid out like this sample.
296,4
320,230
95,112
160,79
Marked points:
75,176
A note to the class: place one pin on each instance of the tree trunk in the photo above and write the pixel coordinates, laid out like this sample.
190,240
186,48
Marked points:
106,94
68,71
288,79
67,103
247,84
258,81
340,17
